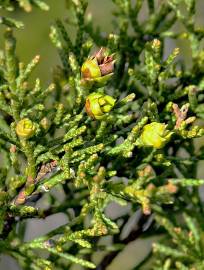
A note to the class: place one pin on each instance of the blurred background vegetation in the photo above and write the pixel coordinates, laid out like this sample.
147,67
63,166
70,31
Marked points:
34,40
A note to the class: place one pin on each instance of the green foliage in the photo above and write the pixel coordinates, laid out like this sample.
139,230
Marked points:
105,134
27,5
186,249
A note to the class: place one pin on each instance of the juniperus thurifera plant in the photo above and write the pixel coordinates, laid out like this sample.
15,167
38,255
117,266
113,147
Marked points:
117,124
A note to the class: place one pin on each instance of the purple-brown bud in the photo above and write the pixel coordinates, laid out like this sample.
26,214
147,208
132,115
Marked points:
97,69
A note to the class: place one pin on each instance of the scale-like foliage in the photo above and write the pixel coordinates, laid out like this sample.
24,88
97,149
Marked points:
116,125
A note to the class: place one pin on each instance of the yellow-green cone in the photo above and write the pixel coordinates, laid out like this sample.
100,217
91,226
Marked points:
97,70
155,135
97,105
25,128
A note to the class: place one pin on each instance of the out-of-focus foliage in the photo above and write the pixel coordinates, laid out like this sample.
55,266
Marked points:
27,5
